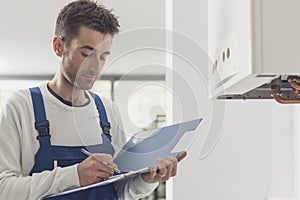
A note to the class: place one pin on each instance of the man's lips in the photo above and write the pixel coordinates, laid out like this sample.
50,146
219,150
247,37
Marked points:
89,76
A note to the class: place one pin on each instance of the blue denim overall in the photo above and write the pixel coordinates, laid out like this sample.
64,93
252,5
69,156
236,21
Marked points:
69,155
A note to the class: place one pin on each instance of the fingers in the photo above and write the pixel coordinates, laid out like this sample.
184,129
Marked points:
174,167
163,167
101,166
96,176
150,177
105,158
166,168
91,170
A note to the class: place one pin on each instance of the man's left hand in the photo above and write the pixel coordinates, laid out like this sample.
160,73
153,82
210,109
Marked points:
167,168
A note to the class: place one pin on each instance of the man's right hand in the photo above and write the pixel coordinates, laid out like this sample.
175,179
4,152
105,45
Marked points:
96,168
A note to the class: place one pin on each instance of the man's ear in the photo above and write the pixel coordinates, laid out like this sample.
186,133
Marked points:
57,46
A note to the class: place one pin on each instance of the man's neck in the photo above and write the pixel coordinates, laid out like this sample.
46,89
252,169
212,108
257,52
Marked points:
67,91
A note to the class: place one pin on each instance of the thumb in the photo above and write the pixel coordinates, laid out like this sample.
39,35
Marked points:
181,156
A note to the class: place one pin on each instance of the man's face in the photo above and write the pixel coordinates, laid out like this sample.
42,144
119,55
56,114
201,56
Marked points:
83,60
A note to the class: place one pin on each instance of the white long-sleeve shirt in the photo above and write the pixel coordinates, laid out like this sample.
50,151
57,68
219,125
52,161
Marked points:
69,126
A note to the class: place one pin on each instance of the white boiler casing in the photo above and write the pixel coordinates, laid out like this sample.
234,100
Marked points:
251,43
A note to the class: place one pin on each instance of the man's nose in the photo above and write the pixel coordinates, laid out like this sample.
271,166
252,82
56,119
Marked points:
96,65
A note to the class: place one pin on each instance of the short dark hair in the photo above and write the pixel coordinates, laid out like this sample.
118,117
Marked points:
85,13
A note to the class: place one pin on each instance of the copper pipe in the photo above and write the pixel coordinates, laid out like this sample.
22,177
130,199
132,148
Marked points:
294,84
279,99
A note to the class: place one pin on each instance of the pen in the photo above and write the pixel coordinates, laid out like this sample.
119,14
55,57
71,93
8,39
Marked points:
105,163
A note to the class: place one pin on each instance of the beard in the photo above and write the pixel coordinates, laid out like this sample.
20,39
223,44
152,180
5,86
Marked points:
76,74
84,84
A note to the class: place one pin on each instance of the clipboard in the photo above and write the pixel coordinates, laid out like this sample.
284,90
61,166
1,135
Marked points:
112,179
143,148
141,151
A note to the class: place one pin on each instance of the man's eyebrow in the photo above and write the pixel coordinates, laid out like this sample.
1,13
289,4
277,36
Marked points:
92,49
87,47
106,52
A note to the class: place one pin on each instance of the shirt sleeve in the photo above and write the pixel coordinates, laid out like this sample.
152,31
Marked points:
14,183
134,188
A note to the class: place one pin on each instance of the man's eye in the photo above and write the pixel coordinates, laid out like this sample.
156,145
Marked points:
85,55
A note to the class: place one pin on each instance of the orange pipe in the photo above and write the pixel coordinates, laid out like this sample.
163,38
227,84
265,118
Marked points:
294,84
279,99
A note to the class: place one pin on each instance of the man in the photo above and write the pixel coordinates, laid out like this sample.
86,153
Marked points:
43,129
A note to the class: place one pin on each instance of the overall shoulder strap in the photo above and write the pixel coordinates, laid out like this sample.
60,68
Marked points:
105,125
41,123
42,160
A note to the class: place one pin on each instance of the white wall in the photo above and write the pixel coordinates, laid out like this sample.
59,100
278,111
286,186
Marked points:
296,139
254,156
27,29
252,160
